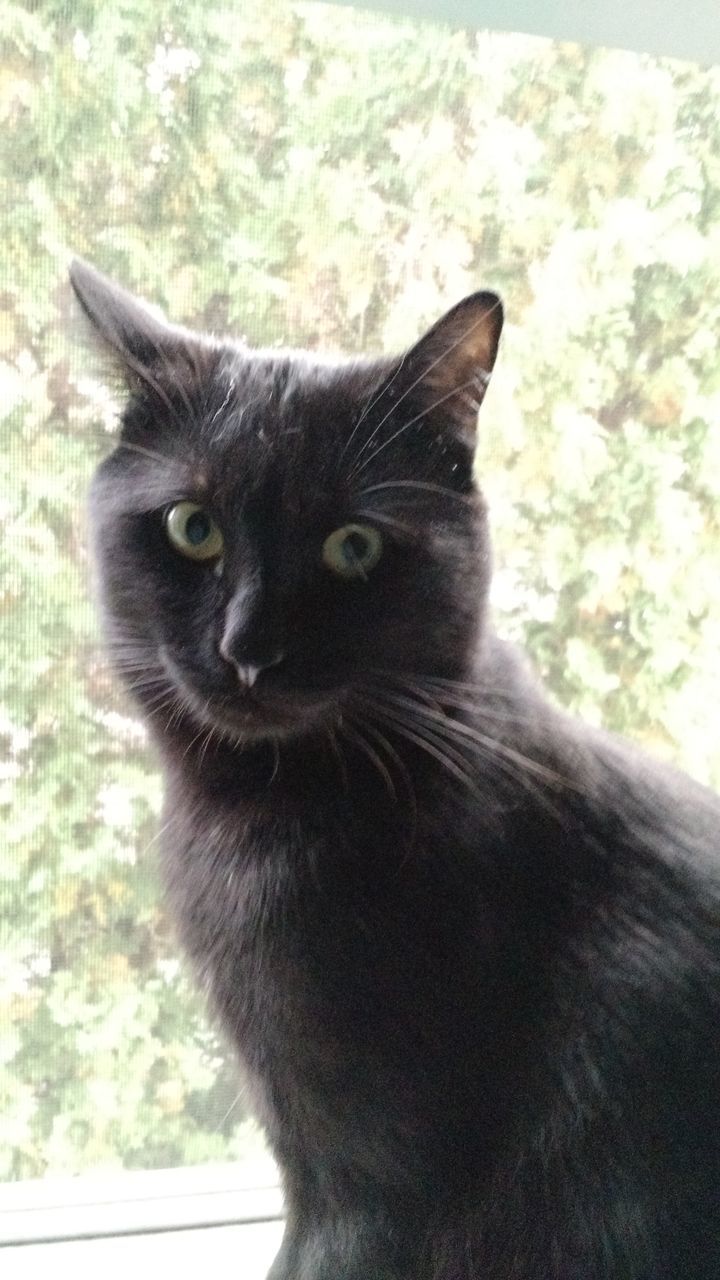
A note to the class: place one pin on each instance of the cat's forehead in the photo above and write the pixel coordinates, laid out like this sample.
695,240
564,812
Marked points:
282,391
281,414
265,431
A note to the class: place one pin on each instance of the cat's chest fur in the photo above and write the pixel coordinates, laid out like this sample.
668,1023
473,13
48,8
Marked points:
344,968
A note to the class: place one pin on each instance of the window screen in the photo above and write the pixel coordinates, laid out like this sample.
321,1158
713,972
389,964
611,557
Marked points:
298,173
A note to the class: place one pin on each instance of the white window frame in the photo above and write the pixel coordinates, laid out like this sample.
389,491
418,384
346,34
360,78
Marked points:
99,1225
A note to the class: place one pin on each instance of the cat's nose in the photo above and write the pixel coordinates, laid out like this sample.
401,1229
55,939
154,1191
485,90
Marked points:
248,672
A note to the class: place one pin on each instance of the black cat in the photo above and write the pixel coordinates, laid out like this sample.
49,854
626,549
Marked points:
467,948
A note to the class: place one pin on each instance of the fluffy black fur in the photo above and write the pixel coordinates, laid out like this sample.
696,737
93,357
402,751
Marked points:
466,948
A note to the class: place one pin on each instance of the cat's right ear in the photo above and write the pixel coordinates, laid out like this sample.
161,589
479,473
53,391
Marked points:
132,335
451,364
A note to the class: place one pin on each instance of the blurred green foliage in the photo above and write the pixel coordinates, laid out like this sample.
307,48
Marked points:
298,173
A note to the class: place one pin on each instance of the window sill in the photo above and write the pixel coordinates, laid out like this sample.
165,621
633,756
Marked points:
181,1219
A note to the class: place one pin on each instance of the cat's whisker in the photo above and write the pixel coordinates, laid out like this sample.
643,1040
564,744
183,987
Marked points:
242,1093
473,699
423,736
396,759
476,689
144,679
447,724
155,708
475,686
335,747
114,441
354,735
127,642
276,765
193,740
139,448
420,485
144,664
150,688
517,766
136,680
131,668
175,716
154,839
450,760
119,650
445,729
204,748
433,690
162,698
155,697
487,711
383,517
372,729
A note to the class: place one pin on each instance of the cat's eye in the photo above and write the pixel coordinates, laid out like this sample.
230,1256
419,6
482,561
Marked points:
193,532
352,551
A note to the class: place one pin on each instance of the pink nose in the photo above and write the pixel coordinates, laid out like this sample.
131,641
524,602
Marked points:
248,672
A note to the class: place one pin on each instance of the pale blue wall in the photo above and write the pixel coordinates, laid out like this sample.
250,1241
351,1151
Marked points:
679,28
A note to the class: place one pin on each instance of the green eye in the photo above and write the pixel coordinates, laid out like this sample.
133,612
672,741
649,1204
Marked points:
352,551
193,532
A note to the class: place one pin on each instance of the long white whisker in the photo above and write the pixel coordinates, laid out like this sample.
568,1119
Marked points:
447,724
276,766
451,758
206,743
340,759
354,735
383,517
238,1098
158,835
518,766
193,740
467,499
396,759
138,448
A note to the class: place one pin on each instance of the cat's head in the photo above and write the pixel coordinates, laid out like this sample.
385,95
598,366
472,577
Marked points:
278,536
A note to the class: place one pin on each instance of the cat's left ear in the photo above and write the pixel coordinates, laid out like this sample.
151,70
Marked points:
131,334
452,363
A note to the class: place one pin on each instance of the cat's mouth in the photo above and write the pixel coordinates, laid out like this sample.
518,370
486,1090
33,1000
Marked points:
258,715
252,713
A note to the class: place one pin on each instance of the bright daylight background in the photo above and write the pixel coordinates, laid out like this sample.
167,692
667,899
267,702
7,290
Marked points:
299,173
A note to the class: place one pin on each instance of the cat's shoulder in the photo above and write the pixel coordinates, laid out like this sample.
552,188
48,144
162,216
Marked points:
614,784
